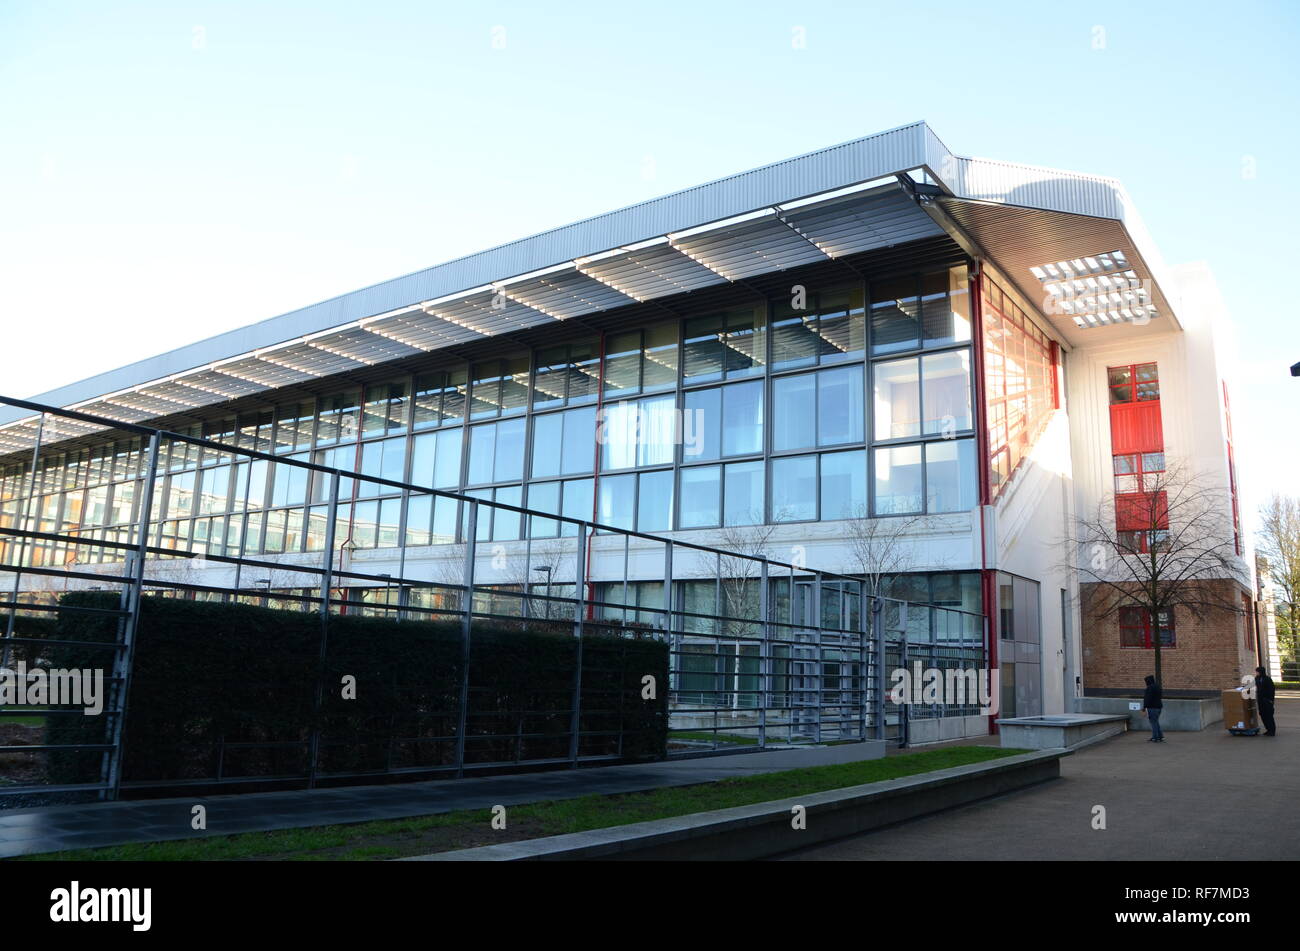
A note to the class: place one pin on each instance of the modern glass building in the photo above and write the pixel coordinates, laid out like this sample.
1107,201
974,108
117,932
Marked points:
881,360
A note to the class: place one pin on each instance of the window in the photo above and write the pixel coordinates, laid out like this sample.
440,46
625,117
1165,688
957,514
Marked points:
492,523
254,433
927,395
933,310
794,489
567,374
385,409
742,493
617,501
723,421
1138,382
564,443
641,502
496,452
435,459
338,418
1136,629
1138,472
573,498
898,480
294,424
827,329
1142,542
897,398
1019,371
817,409
288,487
654,509
385,458
839,406
895,312
728,345
950,475
1141,508
440,398
641,361
623,365
701,497
374,524
638,432
499,387
945,308
794,412
429,520
844,485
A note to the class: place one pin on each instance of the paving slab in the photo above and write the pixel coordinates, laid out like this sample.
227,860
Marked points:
1206,796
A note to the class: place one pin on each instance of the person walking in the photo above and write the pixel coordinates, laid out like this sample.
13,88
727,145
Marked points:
1153,704
1264,700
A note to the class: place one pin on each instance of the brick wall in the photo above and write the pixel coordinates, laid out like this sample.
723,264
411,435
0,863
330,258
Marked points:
1212,652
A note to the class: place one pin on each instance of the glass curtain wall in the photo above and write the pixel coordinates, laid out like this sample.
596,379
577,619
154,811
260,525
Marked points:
1020,381
832,403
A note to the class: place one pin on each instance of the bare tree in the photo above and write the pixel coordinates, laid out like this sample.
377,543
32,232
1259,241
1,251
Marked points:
1176,548
880,548
1279,546
740,570
512,566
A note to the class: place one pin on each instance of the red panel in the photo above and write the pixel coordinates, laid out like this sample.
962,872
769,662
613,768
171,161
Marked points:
1135,427
1141,512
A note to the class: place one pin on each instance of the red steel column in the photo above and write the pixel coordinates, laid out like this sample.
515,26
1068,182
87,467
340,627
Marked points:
988,577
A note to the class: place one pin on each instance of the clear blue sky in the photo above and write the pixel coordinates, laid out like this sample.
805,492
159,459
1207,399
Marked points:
170,170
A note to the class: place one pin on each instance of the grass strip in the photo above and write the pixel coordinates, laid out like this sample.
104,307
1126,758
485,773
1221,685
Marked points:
394,838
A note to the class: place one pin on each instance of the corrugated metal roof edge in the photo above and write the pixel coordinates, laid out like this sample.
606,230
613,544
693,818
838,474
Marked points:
905,147
872,156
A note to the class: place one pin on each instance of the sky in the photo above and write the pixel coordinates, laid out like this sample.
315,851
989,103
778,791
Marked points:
172,170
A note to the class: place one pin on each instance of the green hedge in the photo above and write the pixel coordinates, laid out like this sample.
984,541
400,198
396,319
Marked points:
230,689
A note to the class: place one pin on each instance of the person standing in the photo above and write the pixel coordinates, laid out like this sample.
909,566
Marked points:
1154,705
1264,699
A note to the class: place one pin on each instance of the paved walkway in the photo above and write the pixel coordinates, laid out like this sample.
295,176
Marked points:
55,828
1206,795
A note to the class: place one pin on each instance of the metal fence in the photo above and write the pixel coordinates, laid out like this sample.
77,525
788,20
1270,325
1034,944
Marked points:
762,651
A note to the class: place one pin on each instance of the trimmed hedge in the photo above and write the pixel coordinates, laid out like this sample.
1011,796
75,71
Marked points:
230,690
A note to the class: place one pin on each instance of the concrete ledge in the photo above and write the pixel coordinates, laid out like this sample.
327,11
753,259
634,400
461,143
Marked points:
1054,731
764,829
1179,716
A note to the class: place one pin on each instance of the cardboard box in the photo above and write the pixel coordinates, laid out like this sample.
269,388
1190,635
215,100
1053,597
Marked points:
1239,712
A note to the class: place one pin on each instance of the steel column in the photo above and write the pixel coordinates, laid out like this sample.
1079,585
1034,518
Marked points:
131,624
467,619
579,588
326,583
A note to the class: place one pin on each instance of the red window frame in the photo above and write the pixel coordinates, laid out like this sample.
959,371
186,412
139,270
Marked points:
1020,375
1142,542
1142,464
1126,386
1135,625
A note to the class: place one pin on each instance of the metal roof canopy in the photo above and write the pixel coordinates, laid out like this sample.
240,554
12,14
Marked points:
816,207
1025,238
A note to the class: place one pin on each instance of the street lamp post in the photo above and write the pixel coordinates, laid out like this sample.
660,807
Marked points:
265,584
548,569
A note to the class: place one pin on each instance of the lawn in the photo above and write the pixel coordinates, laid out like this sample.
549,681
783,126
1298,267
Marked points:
459,830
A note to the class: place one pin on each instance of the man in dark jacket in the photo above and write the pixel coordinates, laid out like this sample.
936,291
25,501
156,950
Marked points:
1264,699
1154,705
